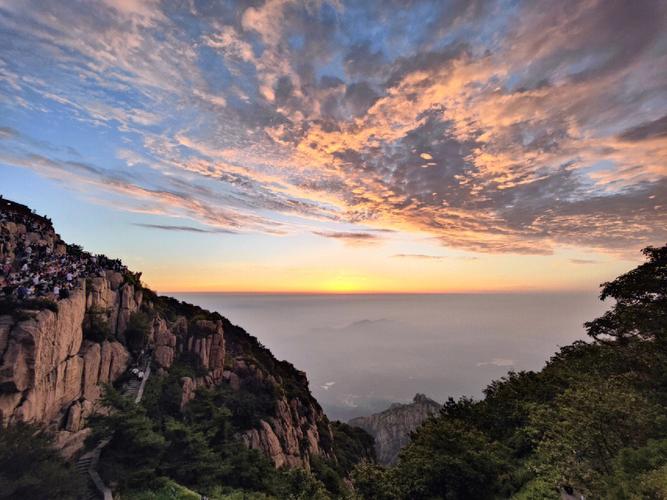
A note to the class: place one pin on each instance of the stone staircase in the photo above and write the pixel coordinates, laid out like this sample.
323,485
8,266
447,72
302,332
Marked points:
86,466
83,467
132,388
135,387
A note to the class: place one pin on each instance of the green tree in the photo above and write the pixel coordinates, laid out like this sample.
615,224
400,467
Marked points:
31,468
639,472
449,459
136,446
188,458
298,484
641,302
372,482
351,445
587,426
138,329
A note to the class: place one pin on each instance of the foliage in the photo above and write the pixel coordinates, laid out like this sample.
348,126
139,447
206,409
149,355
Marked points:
641,302
95,326
31,468
372,482
138,329
164,489
448,458
586,426
297,484
640,472
593,421
351,445
160,446
198,447
253,402
75,250
133,279
326,472
136,447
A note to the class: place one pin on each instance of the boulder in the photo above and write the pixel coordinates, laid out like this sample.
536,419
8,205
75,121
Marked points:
73,417
165,343
120,358
71,383
8,404
115,279
91,370
70,443
114,359
6,323
16,374
128,304
189,387
163,356
101,296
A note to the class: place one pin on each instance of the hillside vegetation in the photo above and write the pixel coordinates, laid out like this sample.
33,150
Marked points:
593,422
220,415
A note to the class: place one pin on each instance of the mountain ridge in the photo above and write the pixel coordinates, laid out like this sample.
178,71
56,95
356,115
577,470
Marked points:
71,322
391,428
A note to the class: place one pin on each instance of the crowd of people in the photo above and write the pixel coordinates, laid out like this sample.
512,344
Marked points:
39,267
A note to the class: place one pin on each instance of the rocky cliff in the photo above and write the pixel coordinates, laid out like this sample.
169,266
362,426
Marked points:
58,350
392,427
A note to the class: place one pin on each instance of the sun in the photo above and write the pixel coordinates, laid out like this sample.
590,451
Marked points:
345,284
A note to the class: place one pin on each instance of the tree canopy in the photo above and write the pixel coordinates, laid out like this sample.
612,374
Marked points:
592,421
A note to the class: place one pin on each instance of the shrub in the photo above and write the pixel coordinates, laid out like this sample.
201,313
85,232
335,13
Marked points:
95,326
31,468
137,332
165,489
132,457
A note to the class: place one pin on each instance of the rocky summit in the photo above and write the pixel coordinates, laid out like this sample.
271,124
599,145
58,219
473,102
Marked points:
392,427
71,322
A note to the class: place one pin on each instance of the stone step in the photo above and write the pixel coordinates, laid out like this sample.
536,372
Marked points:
91,493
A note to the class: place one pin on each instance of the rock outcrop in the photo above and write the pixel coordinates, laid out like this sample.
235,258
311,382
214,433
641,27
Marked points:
48,374
392,427
290,437
55,359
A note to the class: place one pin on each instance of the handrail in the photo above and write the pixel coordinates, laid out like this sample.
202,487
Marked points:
92,471
140,392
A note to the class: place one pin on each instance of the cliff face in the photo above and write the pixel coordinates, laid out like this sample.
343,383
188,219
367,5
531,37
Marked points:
228,355
54,360
50,374
392,427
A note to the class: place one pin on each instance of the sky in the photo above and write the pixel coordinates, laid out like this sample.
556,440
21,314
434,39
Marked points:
342,146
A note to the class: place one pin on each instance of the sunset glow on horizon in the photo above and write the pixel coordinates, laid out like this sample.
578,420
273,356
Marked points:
342,147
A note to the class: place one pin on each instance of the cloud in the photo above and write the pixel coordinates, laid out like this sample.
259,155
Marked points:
352,238
583,261
191,229
502,362
418,256
655,129
490,126
7,133
327,385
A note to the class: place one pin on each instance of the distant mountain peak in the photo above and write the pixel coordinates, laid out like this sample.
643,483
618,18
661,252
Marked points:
423,399
391,428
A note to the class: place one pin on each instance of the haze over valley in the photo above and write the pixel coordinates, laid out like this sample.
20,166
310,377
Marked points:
364,352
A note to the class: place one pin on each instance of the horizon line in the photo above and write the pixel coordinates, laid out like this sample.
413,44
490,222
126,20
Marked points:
372,292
